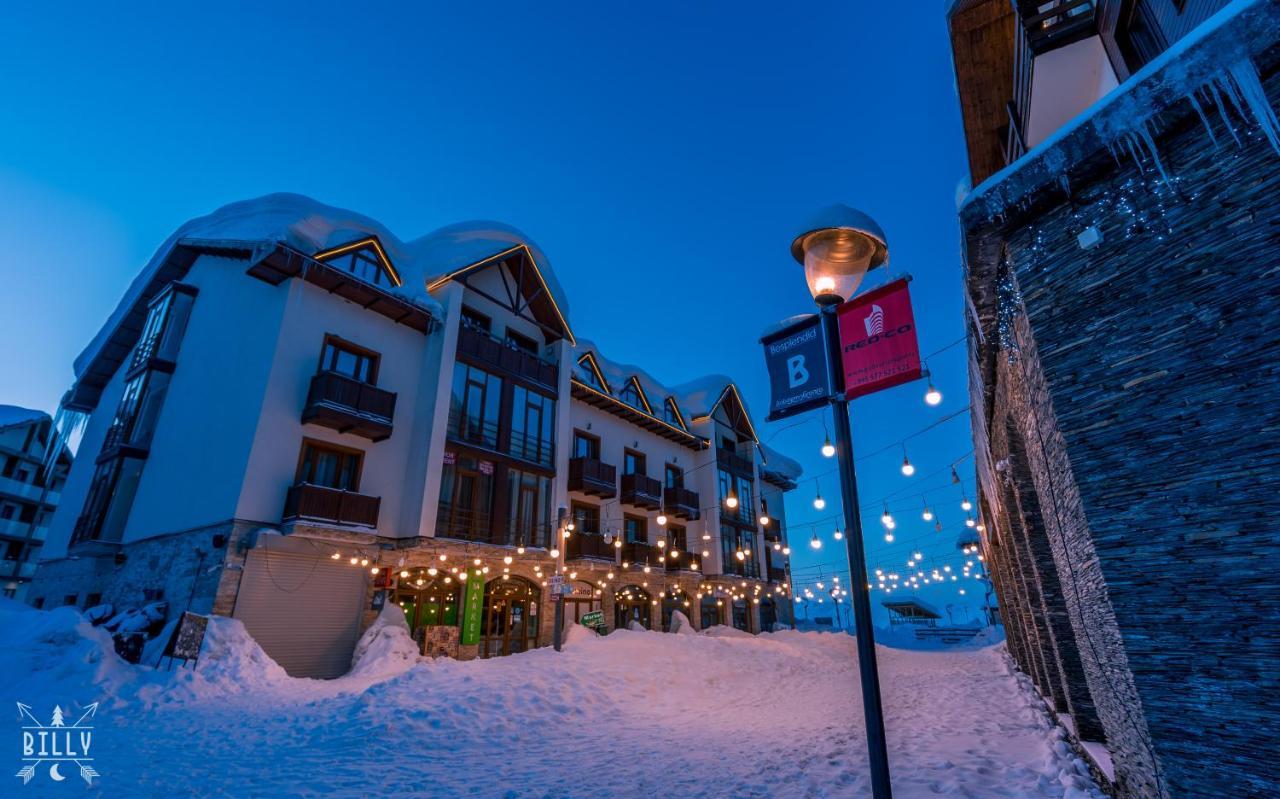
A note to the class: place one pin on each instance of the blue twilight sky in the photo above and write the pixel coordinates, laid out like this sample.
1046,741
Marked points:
663,155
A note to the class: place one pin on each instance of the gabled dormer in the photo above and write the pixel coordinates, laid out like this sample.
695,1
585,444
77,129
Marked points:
672,415
633,394
592,375
365,259
521,289
729,410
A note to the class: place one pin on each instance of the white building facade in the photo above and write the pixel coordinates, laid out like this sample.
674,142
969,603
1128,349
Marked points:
32,470
294,418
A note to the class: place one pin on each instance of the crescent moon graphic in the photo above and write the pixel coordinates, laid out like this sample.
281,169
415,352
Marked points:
53,773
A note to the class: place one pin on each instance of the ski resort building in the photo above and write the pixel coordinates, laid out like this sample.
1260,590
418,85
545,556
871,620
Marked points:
295,418
1122,268
30,489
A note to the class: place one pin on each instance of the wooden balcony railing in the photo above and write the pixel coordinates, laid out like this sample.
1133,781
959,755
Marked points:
350,406
462,524
594,477
641,491
681,502
589,545
488,350
334,506
734,462
636,552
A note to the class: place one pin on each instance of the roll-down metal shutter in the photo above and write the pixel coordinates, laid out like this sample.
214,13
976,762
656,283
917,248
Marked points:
303,609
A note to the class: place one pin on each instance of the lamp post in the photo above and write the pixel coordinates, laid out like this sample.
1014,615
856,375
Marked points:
837,250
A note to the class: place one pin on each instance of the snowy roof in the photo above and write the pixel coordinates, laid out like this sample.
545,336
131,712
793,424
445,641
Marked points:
448,249
11,415
1215,54
781,465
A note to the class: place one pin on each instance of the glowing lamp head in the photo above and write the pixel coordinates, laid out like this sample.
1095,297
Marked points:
816,542
966,505
662,519
828,449
786,550
907,468
837,249
731,501
819,503
933,396
927,515
839,534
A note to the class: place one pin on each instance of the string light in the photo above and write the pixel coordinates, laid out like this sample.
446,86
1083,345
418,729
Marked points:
731,501
818,501
839,534
336,555
815,542
933,396
928,514
965,504
907,468
662,520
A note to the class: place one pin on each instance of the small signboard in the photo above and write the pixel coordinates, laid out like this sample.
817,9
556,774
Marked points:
796,357
594,618
472,609
188,636
878,346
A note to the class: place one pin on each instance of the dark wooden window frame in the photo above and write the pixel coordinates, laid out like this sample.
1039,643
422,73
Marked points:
640,457
325,445
577,434
339,343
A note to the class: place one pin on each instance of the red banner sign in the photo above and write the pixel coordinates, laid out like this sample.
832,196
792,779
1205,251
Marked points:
878,347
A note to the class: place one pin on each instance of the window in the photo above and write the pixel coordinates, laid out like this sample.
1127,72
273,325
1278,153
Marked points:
674,477
529,508
633,462
166,323
349,360
466,498
635,529
630,394
138,411
590,373
92,600
329,466
523,343
475,406
586,518
725,483
671,414
69,599
533,418
109,499
746,507
475,320
677,541
7,510
585,445
362,262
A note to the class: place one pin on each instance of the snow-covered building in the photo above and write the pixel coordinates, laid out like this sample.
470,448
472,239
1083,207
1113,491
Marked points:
29,492
295,417
1120,264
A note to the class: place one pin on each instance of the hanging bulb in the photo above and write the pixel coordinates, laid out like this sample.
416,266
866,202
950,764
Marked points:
965,504
432,571
336,555
520,549
933,396
662,519
907,468
617,543
374,570
828,449
839,534
555,553
731,501
888,537
507,559
764,519
886,518
740,555
786,550
777,546
816,542
928,514
938,525
969,522
818,501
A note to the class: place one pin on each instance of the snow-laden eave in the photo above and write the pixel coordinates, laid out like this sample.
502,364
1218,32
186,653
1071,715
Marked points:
1242,29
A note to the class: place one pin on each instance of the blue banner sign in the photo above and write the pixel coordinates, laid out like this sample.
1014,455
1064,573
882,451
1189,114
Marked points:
796,357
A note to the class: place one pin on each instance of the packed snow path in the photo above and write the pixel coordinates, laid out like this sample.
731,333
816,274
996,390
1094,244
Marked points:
634,714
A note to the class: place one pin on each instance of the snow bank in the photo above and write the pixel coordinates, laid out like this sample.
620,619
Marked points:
680,624
386,648
725,631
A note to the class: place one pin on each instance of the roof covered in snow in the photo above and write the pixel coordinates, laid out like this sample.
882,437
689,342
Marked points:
780,465
11,415
912,606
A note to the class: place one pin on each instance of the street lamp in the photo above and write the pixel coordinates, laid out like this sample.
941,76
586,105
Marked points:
837,249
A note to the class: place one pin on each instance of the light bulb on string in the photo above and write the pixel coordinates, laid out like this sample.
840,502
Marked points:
928,514
933,396
731,501
886,518
662,519
907,468
839,534
818,501
969,522
965,504
888,536
815,542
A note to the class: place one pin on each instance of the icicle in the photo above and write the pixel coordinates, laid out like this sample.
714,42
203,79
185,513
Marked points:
1145,132
1065,183
1195,103
1249,86
1215,89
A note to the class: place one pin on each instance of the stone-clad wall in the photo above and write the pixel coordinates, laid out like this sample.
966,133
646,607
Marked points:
1139,385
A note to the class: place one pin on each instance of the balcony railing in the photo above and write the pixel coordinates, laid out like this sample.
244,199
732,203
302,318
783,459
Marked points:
532,449
589,545
777,575
682,562
1055,23
319,503
486,349
470,430
641,491
591,476
349,406
463,524
681,502
636,552
734,462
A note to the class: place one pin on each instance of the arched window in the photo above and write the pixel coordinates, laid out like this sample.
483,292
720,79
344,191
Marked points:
510,621
632,603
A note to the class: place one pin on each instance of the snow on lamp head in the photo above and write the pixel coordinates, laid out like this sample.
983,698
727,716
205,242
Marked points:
838,247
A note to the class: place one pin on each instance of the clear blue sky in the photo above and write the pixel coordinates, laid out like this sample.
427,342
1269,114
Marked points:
662,155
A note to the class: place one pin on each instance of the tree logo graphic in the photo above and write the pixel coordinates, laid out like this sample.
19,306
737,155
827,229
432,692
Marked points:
57,743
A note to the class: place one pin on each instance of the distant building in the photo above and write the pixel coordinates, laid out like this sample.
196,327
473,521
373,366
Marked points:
29,492
1122,269
296,417
911,611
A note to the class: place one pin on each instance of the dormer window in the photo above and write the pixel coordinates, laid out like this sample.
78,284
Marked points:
591,374
671,414
365,259
633,395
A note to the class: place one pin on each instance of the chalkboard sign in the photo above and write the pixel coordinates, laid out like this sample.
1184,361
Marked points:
187,638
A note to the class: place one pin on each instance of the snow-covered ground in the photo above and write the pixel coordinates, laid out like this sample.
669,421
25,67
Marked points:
634,714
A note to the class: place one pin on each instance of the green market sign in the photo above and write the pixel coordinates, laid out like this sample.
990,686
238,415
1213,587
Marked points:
593,619
472,608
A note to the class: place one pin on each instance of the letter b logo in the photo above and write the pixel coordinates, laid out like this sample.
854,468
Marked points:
797,375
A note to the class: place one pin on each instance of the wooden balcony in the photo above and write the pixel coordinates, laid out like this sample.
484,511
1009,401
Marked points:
479,346
306,502
1050,24
734,462
593,477
349,406
589,546
641,491
680,563
777,575
635,552
681,502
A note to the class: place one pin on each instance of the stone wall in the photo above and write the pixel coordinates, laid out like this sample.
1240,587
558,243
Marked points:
1130,404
